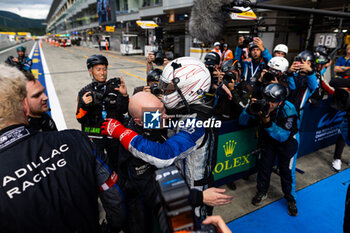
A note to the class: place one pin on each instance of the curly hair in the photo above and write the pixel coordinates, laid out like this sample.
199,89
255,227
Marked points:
12,93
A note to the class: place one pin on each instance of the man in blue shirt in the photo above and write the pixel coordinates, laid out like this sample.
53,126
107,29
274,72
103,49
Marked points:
253,66
342,67
302,80
22,62
280,134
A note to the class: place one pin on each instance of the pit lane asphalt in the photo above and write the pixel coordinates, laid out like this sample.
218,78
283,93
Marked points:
68,70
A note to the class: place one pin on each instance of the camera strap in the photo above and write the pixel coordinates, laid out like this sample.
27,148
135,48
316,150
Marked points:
251,69
103,87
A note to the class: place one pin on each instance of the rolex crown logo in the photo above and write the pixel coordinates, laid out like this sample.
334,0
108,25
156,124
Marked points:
229,147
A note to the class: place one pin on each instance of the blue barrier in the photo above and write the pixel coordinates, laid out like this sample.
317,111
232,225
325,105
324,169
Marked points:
237,146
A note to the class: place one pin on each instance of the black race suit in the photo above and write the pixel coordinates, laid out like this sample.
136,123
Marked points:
110,104
50,182
43,123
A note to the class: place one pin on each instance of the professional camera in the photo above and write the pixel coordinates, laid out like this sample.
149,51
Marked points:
257,106
9,61
113,83
247,40
176,214
158,57
228,76
97,97
155,89
268,77
110,94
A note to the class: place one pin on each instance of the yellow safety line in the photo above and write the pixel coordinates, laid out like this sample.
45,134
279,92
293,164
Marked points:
112,55
133,75
138,62
131,60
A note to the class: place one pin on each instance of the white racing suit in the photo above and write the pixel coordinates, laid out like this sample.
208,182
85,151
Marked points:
191,149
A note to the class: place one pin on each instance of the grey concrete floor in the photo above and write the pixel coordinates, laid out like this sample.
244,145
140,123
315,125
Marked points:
69,74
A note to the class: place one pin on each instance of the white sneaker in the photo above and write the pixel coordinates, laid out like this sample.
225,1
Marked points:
336,165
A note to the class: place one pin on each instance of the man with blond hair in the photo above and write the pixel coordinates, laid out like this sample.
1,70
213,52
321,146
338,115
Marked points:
50,181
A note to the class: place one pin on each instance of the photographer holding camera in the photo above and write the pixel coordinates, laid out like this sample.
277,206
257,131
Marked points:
212,63
276,73
241,52
230,108
158,58
153,78
302,80
279,122
97,101
322,62
255,63
22,62
280,50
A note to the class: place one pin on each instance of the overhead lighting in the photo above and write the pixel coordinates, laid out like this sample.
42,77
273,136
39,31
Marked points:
243,32
336,30
345,30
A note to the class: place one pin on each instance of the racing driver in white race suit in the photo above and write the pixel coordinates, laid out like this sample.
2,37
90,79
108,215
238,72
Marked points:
184,82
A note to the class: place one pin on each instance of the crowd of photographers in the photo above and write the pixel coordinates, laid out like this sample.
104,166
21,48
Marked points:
256,87
146,193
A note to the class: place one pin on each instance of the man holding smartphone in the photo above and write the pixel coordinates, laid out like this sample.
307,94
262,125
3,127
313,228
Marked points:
302,80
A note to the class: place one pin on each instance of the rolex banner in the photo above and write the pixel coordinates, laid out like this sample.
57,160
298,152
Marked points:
237,147
235,153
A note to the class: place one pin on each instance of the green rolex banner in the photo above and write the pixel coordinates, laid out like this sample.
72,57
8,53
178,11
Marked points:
234,153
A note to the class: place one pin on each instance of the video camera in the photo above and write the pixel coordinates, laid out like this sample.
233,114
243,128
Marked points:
109,96
175,213
260,105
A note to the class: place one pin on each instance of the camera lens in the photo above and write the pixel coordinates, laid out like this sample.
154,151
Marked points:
155,90
268,77
229,76
159,59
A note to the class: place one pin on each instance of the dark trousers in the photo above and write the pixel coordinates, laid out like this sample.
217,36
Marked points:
286,154
110,147
340,143
339,147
